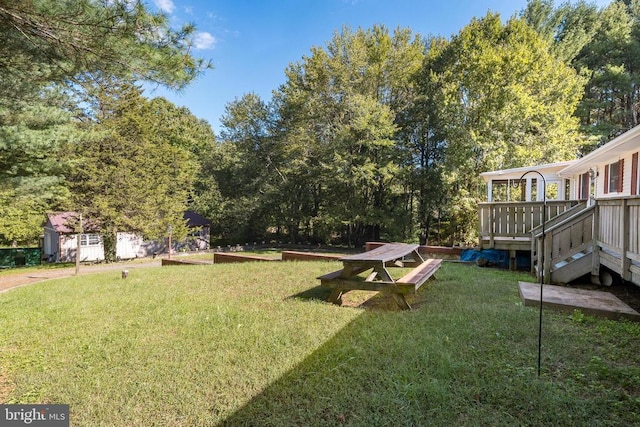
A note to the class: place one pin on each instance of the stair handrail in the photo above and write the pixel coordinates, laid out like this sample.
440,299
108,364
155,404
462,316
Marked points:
570,219
565,217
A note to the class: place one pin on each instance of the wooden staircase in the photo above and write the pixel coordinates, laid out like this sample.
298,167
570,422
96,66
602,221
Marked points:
566,245
577,265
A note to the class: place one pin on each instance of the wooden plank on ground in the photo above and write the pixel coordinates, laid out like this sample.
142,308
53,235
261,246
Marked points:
166,261
564,298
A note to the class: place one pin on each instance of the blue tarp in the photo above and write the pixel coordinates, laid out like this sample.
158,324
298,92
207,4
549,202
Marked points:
497,258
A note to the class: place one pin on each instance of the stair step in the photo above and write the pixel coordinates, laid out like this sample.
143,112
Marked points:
572,258
578,255
571,268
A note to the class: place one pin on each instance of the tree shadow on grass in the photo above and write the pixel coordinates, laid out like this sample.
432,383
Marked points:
363,299
318,293
366,374
342,382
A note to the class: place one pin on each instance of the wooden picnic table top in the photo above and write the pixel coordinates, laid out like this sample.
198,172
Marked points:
385,253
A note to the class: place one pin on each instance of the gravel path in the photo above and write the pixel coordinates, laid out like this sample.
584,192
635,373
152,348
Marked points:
14,278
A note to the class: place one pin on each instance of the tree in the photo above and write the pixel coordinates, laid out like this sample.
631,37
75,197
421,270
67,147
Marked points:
504,101
610,60
31,169
247,167
567,29
50,51
339,106
602,45
48,41
426,149
132,173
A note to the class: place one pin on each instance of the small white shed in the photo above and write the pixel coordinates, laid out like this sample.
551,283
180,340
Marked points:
61,239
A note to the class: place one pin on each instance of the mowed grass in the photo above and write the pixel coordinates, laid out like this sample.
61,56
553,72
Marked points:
254,344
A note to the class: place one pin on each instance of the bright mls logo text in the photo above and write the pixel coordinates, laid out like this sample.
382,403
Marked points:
49,415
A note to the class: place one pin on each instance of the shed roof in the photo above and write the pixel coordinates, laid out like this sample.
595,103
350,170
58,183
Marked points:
65,222
196,220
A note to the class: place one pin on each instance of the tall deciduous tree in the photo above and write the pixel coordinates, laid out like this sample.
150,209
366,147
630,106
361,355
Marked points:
341,104
425,145
504,101
248,168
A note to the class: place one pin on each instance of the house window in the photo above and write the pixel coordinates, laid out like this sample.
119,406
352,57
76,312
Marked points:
613,174
584,186
89,239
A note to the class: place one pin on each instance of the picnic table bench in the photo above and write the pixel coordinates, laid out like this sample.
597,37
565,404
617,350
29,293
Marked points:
378,260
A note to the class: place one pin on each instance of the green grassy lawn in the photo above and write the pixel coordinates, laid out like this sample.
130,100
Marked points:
254,344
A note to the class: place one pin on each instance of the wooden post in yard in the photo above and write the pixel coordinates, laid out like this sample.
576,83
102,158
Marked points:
78,247
169,231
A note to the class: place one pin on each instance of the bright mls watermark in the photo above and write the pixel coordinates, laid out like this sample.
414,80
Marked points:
34,415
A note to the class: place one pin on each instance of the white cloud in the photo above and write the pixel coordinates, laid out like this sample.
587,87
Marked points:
165,5
204,40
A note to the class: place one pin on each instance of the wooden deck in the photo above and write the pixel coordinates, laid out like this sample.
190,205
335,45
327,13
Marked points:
617,237
508,225
608,233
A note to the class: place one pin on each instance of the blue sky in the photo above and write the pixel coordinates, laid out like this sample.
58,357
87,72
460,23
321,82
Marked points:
251,42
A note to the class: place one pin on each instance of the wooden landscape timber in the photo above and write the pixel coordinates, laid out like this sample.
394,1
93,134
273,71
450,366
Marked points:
226,258
166,261
309,256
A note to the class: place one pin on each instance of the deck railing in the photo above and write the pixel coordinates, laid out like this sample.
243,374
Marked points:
618,236
516,219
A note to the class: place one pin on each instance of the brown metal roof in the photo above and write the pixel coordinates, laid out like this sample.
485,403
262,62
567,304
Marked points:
66,222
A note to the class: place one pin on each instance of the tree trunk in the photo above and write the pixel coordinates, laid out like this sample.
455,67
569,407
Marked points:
109,242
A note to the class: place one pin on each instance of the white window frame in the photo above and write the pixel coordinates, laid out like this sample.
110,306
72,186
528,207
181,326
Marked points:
89,240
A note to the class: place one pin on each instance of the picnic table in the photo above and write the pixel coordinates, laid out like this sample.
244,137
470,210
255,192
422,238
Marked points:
378,260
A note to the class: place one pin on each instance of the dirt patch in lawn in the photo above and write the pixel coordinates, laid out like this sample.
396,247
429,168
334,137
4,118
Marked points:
6,387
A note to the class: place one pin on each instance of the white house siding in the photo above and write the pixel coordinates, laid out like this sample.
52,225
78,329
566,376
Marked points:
626,178
623,148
